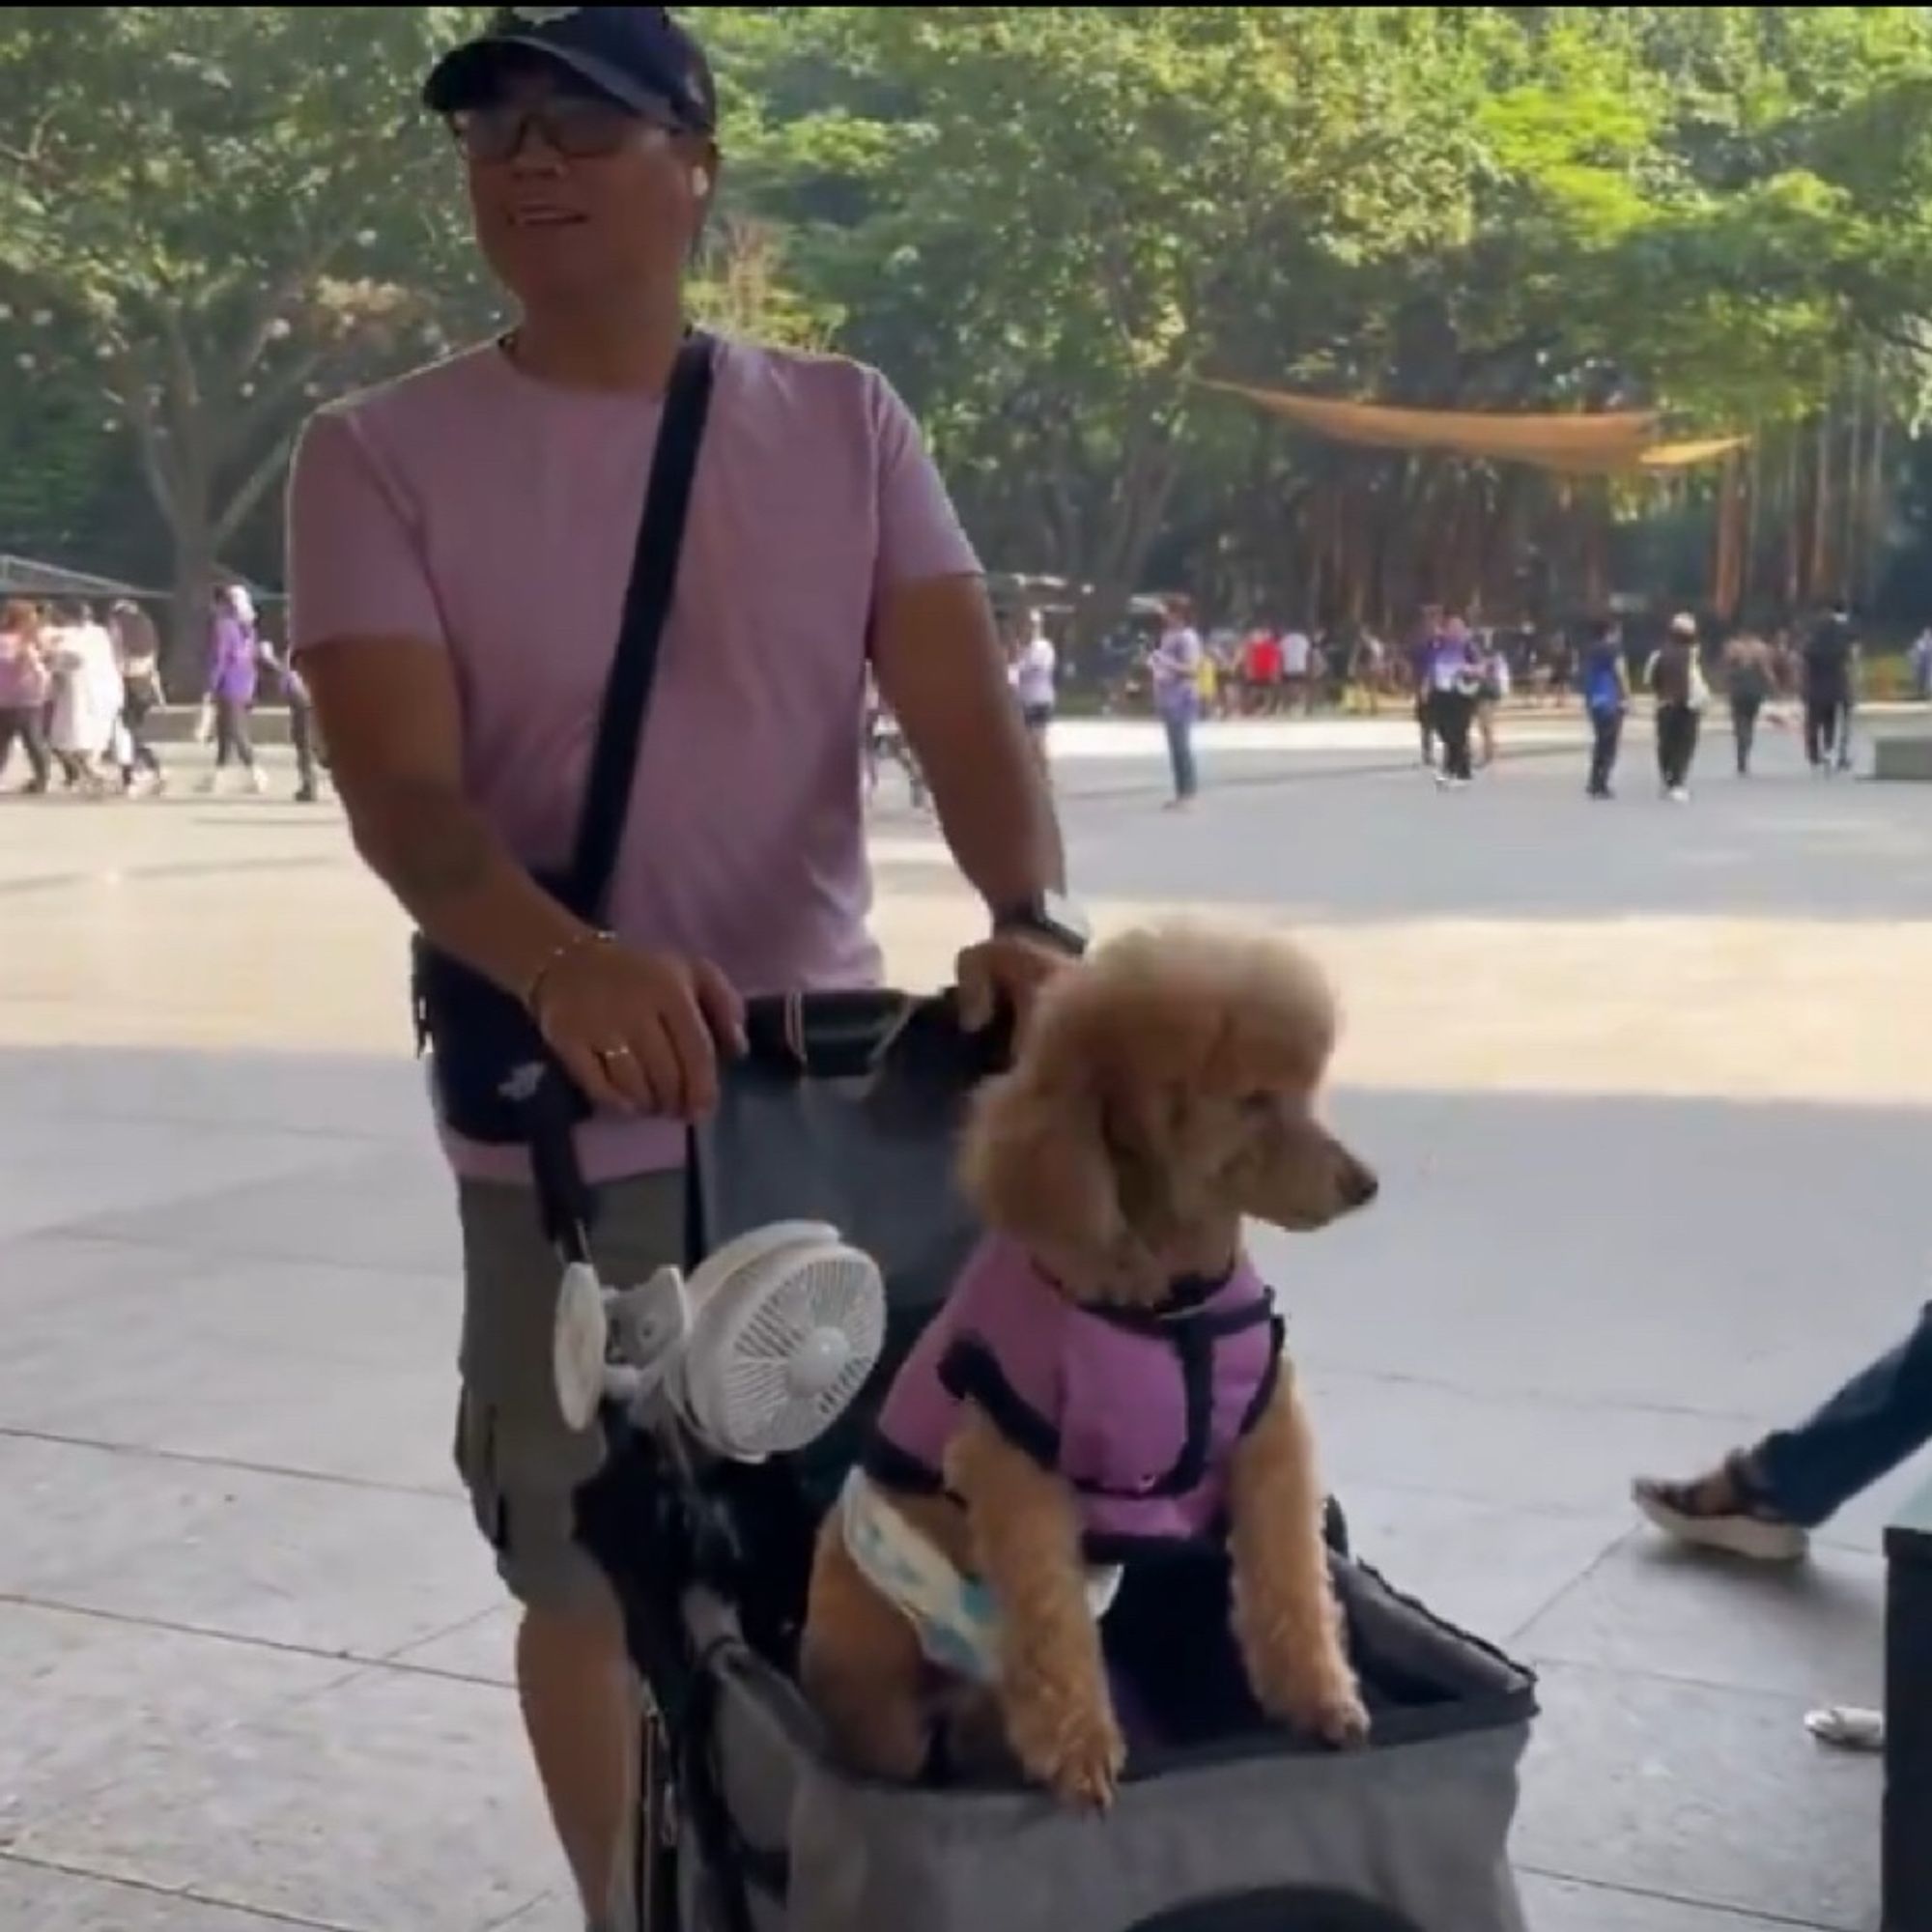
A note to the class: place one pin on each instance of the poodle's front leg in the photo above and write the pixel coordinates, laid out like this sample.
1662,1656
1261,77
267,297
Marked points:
1052,1682
1286,1617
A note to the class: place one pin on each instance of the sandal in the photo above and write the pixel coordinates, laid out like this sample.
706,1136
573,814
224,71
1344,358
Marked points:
1725,1511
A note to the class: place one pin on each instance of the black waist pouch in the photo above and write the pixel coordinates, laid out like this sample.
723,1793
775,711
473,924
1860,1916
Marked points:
494,1078
488,1062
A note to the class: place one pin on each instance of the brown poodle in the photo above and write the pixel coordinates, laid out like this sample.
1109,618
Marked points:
1106,1374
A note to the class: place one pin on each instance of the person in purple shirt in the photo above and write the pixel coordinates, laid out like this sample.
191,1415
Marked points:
1453,678
234,671
1175,666
460,545
1420,653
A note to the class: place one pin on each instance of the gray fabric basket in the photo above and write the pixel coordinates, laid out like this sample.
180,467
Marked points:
1418,1823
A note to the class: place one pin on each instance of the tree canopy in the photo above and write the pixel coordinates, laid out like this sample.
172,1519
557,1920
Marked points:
1046,224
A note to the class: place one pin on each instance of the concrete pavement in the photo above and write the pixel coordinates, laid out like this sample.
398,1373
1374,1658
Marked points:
1647,1088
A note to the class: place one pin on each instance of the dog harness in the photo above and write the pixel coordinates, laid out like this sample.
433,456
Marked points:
1139,1411
956,1616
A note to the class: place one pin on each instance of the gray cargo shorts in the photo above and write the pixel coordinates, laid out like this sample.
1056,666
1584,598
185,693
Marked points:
520,1459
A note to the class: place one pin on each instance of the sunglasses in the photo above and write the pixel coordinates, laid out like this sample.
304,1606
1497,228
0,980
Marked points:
579,127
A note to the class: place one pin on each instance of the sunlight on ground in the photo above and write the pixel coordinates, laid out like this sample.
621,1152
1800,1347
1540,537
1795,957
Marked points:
173,954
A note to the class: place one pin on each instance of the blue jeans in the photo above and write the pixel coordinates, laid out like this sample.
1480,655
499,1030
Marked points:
1179,719
1879,1419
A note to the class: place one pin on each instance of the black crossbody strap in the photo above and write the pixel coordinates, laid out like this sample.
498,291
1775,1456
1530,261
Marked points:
647,602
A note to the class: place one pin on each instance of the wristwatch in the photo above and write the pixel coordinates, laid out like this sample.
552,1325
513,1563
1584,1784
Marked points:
1049,915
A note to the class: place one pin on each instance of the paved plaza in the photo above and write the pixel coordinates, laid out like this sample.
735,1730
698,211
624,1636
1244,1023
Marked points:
1647,1088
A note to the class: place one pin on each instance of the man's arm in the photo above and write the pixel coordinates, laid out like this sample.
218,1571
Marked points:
388,712
936,650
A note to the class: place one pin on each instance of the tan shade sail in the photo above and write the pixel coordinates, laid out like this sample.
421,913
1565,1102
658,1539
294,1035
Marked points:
1688,455
1577,444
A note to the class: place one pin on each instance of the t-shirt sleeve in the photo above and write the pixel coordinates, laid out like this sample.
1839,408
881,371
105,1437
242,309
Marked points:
357,567
920,536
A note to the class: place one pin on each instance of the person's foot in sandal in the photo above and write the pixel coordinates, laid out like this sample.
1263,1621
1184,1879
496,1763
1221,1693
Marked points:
1725,1511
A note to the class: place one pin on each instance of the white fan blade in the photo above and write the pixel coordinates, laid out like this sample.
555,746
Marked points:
577,1343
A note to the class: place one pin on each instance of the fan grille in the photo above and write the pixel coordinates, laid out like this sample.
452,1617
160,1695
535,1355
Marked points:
803,1333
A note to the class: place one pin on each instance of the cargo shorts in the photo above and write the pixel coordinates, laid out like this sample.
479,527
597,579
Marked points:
520,1459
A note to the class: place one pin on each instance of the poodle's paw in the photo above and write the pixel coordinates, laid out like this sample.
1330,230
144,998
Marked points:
1075,1751
1324,1704
1340,1719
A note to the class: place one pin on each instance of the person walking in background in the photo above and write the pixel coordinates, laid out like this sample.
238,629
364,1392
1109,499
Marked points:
1748,680
1492,693
24,690
1453,678
1921,666
1175,666
1676,680
1848,703
1036,684
302,735
138,646
1263,672
88,698
1366,672
1420,654
1297,670
234,671
1829,654
1605,684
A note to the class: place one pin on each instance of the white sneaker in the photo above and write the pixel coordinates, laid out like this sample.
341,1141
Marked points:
1679,795
258,779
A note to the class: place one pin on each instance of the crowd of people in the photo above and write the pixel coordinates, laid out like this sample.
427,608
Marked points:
79,689
1458,679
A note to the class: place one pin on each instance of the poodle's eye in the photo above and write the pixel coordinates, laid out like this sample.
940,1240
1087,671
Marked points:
1260,1105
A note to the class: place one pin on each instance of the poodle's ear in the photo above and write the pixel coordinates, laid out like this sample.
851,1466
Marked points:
1036,1165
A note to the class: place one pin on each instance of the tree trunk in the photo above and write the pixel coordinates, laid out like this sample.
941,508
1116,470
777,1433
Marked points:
1821,510
1877,500
1755,503
1851,555
187,653
1794,540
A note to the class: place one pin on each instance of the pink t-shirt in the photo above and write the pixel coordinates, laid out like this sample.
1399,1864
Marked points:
473,507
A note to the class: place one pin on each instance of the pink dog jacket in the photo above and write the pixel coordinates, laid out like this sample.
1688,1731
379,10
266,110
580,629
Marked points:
1138,1410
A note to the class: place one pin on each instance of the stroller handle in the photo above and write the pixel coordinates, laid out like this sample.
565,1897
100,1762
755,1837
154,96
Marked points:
854,1031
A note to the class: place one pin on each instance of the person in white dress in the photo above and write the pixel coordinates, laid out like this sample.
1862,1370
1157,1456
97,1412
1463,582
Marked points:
88,696
1036,671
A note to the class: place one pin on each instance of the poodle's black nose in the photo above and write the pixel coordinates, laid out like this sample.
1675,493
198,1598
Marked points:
1359,1184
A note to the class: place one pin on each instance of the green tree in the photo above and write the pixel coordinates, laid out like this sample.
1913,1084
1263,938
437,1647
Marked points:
225,213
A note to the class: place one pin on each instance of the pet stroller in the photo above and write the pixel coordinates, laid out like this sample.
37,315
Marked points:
845,1111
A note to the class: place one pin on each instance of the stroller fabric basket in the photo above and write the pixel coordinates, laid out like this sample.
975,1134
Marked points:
1418,1824
1228,1825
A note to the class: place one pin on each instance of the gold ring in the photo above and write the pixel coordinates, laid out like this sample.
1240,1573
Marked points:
621,1051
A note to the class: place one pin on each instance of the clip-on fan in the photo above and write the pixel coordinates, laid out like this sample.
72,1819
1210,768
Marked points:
757,1354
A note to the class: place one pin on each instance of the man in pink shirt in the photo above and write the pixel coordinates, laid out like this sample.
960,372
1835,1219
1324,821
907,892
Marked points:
461,542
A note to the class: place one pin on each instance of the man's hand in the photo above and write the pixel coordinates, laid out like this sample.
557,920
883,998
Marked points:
1007,970
640,1032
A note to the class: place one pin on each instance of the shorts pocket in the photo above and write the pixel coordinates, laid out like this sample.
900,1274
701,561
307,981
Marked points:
476,1452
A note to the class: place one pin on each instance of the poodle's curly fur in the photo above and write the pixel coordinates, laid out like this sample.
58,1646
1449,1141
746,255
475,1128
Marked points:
1164,1090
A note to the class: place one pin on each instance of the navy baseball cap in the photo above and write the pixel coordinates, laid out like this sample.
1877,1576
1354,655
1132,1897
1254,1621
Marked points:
639,56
